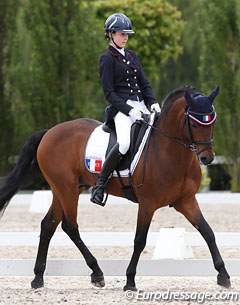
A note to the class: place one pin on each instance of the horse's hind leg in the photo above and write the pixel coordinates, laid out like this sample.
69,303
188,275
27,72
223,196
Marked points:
48,227
97,278
69,225
193,213
203,227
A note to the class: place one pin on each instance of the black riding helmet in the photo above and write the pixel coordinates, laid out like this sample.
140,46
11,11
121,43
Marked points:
118,23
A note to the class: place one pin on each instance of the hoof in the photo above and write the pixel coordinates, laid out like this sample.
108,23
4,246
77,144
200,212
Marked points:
98,281
37,284
223,281
128,287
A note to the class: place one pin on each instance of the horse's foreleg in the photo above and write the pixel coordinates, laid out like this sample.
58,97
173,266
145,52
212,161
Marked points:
143,224
194,215
48,227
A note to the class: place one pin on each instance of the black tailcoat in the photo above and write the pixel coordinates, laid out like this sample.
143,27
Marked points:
123,78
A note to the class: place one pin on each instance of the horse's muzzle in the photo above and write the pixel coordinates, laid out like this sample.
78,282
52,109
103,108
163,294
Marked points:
206,154
206,160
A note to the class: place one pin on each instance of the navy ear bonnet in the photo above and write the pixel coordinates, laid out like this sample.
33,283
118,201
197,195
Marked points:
200,109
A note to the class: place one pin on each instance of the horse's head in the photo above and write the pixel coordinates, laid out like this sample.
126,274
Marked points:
200,118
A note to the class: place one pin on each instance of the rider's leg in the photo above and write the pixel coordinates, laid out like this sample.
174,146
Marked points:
110,164
123,125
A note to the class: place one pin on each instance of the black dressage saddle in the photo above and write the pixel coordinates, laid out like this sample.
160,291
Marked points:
137,133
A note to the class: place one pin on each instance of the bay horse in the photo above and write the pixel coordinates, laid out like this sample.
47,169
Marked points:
181,136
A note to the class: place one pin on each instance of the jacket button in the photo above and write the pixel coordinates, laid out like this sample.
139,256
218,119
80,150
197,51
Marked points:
127,72
135,77
135,70
129,85
131,90
127,79
139,90
124,60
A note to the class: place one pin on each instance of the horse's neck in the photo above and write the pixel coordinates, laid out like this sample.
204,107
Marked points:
171,121
170,143
170,163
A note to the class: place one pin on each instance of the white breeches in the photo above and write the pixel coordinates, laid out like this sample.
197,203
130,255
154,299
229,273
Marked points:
123,125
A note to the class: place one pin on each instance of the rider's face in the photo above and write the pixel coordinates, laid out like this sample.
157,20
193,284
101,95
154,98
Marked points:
120,39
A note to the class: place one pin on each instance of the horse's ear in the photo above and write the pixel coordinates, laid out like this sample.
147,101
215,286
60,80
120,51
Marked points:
212,96
188,98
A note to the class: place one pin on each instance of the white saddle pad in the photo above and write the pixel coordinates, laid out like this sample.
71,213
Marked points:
96,149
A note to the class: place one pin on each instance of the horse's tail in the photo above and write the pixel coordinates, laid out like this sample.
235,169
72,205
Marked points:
26,162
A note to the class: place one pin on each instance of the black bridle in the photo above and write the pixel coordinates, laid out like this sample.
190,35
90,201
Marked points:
193,143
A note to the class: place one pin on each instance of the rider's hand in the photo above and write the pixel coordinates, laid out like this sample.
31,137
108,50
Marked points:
136,114
155,107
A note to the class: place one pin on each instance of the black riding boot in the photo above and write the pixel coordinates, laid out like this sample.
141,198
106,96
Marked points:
109,165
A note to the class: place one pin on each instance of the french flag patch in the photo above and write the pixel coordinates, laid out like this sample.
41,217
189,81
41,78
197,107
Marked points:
93,164
206,118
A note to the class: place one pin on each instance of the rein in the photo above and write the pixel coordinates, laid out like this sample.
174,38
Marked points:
193,145
171,137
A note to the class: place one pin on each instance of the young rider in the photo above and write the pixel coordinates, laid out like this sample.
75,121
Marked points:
127,90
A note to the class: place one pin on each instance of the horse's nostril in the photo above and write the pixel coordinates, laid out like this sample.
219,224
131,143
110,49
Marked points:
203,160
206,160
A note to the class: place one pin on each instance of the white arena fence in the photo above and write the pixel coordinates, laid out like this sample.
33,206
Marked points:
167,267
172,250
39,201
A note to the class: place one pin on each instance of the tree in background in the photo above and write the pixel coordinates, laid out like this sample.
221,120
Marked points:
48,69
59,71
8,11
183,70
219,64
